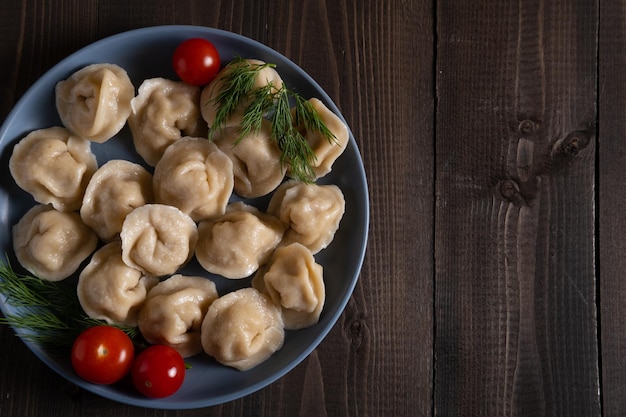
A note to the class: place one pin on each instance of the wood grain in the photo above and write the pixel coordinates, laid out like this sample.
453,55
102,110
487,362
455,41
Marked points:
515,306
611,200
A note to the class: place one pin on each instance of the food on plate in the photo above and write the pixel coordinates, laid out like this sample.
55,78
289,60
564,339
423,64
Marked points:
52,244
311,213
110,290
294,282
235,244
115,189
173,311
102,354
196,61
162,112
158,371
221,111
204,150
326,151
94,102
158,239
194,176
242,329
246,93
256,160
54,166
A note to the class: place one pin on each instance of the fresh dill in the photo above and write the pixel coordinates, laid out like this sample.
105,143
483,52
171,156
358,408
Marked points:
236,85
295,151
273,103
254,114
307,116
49,313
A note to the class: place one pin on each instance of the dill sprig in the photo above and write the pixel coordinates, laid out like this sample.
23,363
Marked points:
272,103
237,83
261,104
307,116
295,150
49,312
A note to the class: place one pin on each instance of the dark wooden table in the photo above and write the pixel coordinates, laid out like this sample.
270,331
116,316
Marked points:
493,134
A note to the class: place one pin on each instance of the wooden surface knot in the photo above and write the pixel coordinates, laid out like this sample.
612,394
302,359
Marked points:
355,328
509,190
356,333
527,127
572,144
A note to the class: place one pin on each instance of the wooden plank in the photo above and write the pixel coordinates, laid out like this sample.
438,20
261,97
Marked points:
515,152
611,202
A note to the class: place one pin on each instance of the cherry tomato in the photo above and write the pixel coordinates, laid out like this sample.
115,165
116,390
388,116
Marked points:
196,61
102,354
158,371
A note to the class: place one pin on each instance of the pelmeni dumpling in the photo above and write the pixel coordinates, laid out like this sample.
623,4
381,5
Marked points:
52,244
116,189
195,176
235,244
94,102
110,290
162,112
158,239
242,329
173,312
294,281
256,160
326,152
209,105
311,213
54,166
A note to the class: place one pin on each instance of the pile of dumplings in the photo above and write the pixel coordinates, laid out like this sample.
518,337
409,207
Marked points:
126,229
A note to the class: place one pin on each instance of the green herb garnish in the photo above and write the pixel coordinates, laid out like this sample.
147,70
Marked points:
295,150
274,104
49,311
261,104
237,84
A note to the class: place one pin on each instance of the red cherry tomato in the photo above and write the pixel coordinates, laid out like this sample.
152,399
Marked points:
102,354
196,61
158,371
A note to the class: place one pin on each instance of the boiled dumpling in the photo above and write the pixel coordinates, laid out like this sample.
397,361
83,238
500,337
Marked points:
242,329
256,160
326,152
163,112
173,312
116,189
235,244
294,281
52,244
195,176
311,213
110,290
94,102
208,100
54,166
158,239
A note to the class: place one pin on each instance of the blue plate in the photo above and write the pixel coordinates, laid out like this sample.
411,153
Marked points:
146,53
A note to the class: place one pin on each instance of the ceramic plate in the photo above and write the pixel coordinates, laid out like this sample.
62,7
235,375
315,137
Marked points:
146,53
